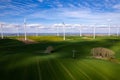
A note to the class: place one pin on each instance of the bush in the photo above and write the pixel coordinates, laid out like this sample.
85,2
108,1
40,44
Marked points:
101,52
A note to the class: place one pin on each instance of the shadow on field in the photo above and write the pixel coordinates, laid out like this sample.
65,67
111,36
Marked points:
14,53
62,48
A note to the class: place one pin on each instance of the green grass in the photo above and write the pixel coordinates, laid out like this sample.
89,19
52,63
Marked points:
19,61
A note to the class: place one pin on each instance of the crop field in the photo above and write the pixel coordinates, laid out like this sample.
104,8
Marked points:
20,61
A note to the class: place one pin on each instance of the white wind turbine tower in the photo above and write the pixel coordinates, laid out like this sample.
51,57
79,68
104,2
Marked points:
25,33
1,26
94,31
63,31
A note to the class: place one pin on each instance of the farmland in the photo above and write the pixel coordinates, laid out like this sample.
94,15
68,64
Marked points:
20,61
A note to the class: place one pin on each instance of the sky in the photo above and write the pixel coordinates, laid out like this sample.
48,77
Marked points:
58,11
49,12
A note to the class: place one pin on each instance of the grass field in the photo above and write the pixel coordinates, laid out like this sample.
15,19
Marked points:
20,61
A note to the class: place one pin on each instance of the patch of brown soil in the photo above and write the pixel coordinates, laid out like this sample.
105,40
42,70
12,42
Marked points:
28,41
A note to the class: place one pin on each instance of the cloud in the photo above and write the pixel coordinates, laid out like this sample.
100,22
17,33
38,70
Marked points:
73,15
72,6
5,0
40,0
58,4
18,9
117,6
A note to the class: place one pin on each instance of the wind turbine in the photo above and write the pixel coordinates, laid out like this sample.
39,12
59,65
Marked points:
63,31
94,31
2,35
25,33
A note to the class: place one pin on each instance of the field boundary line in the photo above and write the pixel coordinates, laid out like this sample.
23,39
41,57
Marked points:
69,73
38,67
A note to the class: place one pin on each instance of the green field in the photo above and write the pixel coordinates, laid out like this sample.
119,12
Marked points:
20,61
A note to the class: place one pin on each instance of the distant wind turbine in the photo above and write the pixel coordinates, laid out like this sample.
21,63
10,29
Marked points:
2,35
94,32
25,33
63,31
